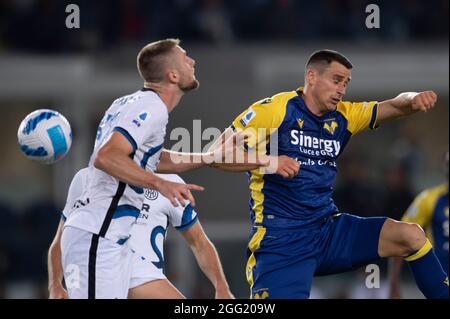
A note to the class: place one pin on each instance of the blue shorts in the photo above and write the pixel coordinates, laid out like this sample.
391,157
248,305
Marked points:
282,262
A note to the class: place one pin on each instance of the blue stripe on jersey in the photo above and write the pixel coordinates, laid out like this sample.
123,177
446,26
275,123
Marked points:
188,225
63,218
187,220
126,210
122,241
159,230
58,140
127,136
138,190
151,151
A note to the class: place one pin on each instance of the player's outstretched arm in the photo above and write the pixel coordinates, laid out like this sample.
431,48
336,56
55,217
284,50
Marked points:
251,160
405,104
114,159
178,162
54,266
225,153
208,259
241,161
172,162
395,266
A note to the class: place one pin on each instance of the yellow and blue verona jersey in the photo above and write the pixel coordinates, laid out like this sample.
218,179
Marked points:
430,210
316,142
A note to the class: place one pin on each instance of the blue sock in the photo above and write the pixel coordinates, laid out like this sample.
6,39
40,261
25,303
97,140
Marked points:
428,273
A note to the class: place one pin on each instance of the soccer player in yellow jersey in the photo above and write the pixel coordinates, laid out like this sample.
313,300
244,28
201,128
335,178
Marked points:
298,232
429,210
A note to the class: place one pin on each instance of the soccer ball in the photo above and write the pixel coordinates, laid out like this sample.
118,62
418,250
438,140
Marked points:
45,136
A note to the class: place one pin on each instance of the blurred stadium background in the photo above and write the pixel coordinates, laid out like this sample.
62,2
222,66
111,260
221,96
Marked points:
245,50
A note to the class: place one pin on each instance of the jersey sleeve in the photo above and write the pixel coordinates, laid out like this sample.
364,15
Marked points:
181,218
360,115
75,191
137,124
420,211
262,118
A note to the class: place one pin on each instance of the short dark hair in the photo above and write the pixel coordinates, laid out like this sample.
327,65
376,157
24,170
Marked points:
323,58
151,60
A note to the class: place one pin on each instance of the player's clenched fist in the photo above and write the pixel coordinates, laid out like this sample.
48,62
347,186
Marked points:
424,101
287,167
177,193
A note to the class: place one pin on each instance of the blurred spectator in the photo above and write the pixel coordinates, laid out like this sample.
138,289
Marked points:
7,230
408,151
112,23
32,233
36,26
213,22
355,193
398,192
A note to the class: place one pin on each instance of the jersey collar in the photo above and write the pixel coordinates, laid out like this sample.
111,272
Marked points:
144,89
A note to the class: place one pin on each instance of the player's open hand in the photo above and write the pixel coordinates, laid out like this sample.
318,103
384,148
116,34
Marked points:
287,166
178,193
424,101
58,292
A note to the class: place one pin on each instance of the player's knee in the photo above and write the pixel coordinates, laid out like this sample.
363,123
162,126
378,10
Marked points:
412,237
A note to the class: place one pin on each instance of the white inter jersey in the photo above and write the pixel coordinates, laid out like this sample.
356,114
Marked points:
149,232
76,188
111,206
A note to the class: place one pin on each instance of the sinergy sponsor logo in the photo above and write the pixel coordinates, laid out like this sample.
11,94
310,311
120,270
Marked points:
315,146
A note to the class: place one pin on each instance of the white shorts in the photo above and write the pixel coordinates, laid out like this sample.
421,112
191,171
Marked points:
94,267
143,271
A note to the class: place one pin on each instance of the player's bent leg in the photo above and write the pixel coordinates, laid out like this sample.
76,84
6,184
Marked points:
147,281
156,289
400,239
348,242
409,241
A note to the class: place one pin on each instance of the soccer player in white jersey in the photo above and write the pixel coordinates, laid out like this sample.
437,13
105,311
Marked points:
127,149
147,239
147,271
54,263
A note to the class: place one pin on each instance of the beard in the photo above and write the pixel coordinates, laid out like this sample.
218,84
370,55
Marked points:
186,87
